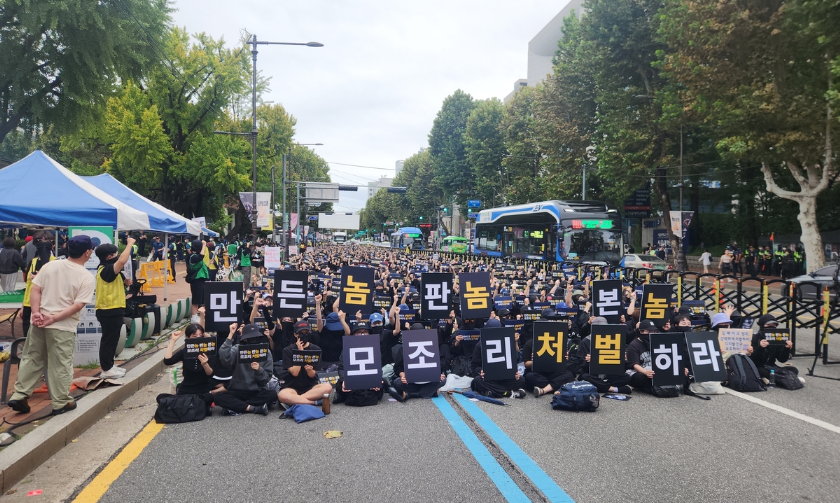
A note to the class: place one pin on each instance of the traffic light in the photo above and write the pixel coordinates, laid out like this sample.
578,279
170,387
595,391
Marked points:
421,218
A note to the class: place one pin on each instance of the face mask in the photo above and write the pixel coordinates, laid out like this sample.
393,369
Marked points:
681,329
287,325
377,330
109,261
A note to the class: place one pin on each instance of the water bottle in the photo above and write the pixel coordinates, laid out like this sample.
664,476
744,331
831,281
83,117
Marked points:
772,379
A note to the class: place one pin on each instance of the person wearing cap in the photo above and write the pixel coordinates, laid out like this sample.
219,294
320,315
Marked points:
406,389
605,383
197,274
496,389
301,385
639,363
764,354
357,397
246,391
110,303
334,328
61,289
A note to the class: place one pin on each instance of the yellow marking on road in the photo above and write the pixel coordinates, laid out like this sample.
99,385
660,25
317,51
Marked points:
112,471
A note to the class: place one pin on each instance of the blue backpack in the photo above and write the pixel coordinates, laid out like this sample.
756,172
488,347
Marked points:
577,396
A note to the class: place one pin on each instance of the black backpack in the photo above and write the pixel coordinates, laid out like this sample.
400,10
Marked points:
786,377
577,396
180,408
742,374
461,366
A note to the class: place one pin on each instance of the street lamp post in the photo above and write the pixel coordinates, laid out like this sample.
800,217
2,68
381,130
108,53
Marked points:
253,134
287,158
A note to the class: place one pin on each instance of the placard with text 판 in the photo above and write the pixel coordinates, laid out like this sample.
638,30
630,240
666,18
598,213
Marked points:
289,293
362,362
549,347
777,336
668,358
223,305
607,347
498,353
705,356
475,294
421,356
253,353
436,295
606,300
357,289
656,302
195,346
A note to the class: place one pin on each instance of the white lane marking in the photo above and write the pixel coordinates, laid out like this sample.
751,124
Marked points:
788,412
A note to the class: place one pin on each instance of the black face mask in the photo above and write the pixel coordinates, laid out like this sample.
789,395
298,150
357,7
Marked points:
377,330
681,329
110,261
287,326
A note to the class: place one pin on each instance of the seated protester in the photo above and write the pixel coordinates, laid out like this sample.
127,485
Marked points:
197,372
682,323
494,389
301,385
544,382
764,354
639,363
388,337
246,391
605,383
334,328
405,389
356,397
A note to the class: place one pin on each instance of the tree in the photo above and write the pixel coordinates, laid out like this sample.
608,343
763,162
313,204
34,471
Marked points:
760,72
485,149
58,58
446,144
521,162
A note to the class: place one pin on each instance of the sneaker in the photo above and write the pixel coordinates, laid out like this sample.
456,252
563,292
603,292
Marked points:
520,393
538,392
261,410
319,402
21,405
627,390
802,380
111,373
119,369
228,412
70,406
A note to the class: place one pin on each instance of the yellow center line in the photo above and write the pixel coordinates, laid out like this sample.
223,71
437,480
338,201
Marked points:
102,482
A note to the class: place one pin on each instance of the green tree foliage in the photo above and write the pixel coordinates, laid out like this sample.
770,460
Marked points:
485,148
59,57
446,144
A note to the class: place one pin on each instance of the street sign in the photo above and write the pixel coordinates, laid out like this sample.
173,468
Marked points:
473,203
638,204
321,192
472,215
313,217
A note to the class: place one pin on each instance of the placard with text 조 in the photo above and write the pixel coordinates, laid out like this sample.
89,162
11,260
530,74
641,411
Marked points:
421,356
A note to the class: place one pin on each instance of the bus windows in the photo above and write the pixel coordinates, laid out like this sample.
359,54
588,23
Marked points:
488,239
593,244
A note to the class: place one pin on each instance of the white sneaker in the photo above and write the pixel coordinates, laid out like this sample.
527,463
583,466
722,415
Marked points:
802,380
119,369
111,374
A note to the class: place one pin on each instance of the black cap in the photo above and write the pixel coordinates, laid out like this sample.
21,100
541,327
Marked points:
503,312
418,326
77,245
548,314
301,326
361,326
251,331
647,326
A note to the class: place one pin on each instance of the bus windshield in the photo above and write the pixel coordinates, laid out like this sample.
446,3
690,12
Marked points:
595,245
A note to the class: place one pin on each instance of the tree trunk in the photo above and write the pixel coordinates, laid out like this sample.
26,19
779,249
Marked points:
811,238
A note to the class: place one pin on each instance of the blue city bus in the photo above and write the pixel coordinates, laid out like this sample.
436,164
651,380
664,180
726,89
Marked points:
561,231
408,237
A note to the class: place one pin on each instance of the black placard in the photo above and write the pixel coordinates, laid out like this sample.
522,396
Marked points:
606,300
704,355
421,356
357,290
656,302
253,353
328,377
668,358
290,293
607,346
498,353
362,362
549,346
777,336
518,325
222,304
195,346
409,316
380,302
304,357
436,295
475,295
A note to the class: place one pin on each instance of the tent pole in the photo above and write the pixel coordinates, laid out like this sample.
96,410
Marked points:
165,263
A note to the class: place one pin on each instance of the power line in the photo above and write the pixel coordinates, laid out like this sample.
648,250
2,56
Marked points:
357,166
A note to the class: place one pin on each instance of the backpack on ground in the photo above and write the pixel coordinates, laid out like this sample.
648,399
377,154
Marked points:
742,374
179,408
668,391
786,377
461,366
577,396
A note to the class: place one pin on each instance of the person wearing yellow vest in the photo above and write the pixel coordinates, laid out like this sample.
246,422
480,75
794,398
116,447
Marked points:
110,303
197,274
43,247
211,261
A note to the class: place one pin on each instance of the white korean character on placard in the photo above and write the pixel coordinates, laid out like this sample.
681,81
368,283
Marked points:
494,347
702,357
664,361
438,291
420,355
608,302
356,360
219,306
291,289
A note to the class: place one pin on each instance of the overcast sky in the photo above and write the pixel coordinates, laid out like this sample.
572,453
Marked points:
371,93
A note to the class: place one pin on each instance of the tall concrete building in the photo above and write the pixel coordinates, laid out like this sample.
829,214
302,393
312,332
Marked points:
373,187
399,166
542,47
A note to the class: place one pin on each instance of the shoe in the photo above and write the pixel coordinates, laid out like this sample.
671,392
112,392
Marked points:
111,373
21,405
765,380
228,412
119,369
70,406
538,392
261,410
802,380
396,395
285,406
520,393
627,390
319,402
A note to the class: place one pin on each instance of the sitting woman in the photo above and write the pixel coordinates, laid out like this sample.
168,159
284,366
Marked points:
301,385
197,372
247,390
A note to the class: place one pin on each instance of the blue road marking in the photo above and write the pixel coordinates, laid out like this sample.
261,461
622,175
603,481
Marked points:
488,463
543,482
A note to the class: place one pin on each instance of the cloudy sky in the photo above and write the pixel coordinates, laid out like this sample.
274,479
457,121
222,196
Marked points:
371,93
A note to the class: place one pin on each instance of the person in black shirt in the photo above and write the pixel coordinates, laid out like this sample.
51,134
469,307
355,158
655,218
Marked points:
197,372
301,385
404,388
494,389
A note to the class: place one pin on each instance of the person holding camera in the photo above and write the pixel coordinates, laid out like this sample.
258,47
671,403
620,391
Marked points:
301,385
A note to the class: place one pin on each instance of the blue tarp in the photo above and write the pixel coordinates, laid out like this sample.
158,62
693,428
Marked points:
208,232
160,218
37,191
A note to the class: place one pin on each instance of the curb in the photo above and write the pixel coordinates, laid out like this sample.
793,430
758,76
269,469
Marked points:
37,446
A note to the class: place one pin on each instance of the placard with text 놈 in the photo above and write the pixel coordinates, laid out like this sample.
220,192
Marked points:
357,290
475,294
656,302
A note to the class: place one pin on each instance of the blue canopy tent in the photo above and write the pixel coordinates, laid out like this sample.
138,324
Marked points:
208,232
38,191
